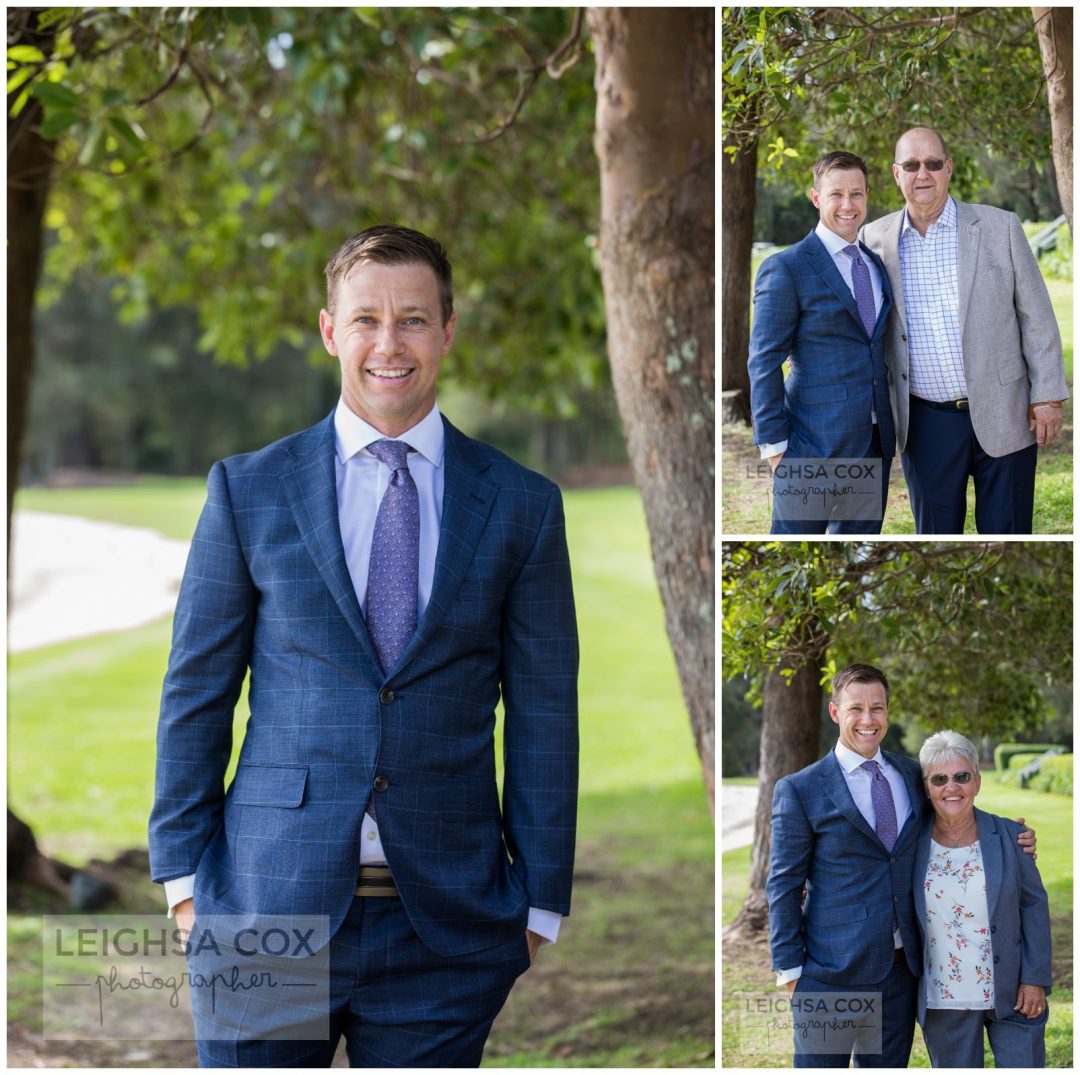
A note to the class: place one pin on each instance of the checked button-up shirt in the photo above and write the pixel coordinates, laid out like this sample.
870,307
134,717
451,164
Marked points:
929,269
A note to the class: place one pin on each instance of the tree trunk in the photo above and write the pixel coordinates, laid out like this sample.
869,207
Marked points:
1055,29
790,740
29,168
738,175
655,143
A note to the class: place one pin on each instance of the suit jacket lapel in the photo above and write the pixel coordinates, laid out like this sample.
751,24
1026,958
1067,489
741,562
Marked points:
886,290
967,239
990,846
914,791
467,500
890,257
311,488
922,857
825,267
837,790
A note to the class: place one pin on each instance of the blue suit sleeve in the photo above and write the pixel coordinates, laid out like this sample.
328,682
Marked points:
211,650
1035,942
540,741
776,319
789,867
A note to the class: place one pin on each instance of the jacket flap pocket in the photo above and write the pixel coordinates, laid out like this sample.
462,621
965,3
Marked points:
269,785
820,393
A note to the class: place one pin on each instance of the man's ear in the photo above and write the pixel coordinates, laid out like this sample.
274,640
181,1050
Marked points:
814,198
326,330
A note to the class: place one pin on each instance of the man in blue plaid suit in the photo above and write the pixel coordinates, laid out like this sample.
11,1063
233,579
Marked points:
823,305
841,903
365,790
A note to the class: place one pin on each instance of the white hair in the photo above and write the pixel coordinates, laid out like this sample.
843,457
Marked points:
948,746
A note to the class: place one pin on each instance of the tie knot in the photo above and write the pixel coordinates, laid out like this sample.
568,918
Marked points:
391,452
871,767
852,252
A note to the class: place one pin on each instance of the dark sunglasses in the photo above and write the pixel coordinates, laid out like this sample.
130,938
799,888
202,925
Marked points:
931,165
939,780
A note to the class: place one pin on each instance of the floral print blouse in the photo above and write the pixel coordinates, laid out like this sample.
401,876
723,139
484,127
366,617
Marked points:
960,960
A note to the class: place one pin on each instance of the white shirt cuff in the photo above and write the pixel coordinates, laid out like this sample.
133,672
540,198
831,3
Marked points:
773,449
545,923
785,976
179,889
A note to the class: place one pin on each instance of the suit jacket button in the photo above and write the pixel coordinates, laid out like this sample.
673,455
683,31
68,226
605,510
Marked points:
381,783
386,696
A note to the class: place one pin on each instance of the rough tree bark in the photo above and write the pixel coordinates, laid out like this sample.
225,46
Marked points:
655,143
1055,29
738,174
790,739
30,163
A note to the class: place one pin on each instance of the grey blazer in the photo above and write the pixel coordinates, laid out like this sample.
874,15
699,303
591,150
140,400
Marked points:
1016,902
1011,343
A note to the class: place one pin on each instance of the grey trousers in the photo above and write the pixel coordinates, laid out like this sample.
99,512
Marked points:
954,1039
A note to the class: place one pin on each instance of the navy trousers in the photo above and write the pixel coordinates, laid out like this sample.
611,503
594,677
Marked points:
954,1039
781,525
898,1006
396,1002
942,450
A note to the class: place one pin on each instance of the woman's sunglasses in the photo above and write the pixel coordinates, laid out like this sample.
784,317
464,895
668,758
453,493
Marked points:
939,780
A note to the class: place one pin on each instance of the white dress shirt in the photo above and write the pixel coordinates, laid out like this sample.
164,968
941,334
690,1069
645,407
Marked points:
835,244
362,480
858,781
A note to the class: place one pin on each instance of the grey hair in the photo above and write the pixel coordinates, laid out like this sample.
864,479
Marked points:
947,746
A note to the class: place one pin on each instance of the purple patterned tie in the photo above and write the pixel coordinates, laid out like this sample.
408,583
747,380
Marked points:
884,807
864,291
394,568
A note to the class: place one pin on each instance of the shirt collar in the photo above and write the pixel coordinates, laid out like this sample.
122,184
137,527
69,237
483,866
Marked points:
850,761
946,220
833,243
352,434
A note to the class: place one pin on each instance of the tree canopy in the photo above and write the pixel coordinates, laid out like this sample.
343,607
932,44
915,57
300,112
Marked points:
213,158
971,634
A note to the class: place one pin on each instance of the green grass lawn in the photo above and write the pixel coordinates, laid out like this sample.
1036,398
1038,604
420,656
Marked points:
630,981
745,501
745,968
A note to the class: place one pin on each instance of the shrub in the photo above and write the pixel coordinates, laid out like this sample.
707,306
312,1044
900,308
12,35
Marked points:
1055,775
1004,751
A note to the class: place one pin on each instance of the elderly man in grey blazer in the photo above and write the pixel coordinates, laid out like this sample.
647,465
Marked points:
974,353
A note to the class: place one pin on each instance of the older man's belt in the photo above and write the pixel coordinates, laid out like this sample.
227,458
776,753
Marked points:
376,881
943,405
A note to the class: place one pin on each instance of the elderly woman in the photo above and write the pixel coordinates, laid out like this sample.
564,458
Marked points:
985,922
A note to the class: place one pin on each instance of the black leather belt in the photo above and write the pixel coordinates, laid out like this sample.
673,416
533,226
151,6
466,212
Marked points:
947,405
898,956
376,881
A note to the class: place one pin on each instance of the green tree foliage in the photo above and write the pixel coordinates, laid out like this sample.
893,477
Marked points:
972,635
213,158
804,81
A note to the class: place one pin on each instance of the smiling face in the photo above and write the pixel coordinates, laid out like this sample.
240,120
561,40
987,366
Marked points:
387,332
925,192
952,802
862,713
840,198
